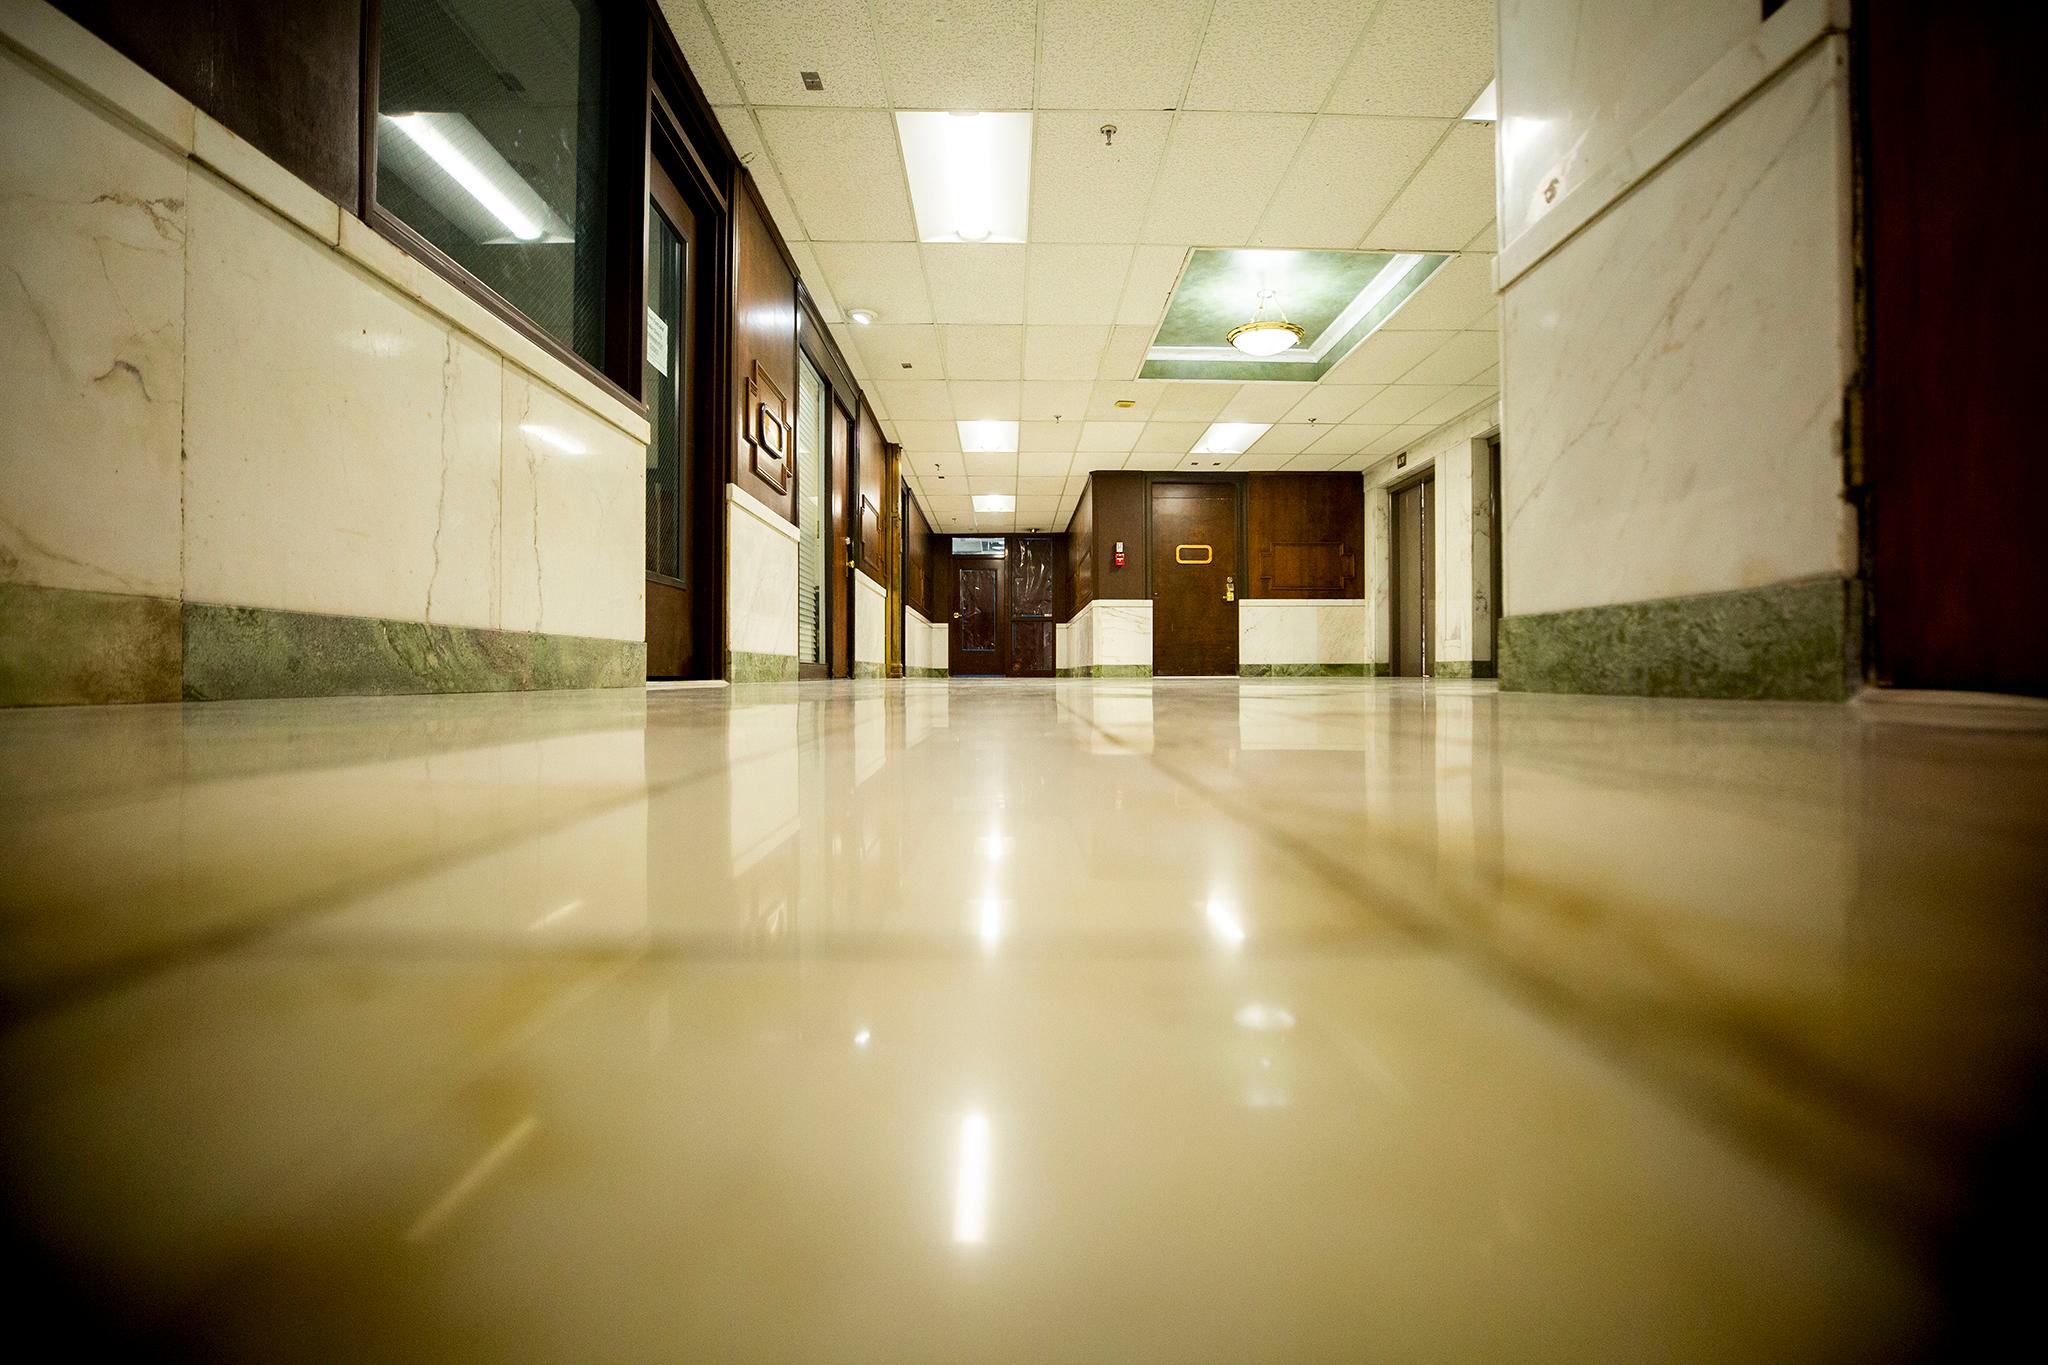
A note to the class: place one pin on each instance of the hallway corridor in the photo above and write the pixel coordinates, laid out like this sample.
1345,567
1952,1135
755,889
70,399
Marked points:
1233,1020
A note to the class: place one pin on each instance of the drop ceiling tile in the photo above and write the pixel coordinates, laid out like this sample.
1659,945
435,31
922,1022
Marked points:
1077,483
1311,463
1385,356
1275,54
1104,54
1343,179
813,276
983,352
1142,394
1154,459
1461,360
1063,353
1419,57
1400,402
964,54
1148,286
842,332
1209,463
974,400
1487,241
1189,402
986,484
1125,354
887,277
1449,199
934,467
700,49
1083,190
981,283
844,171
1263,460
1075,282
1262,402
1359,463
1038,434
1287,439
1489,321
1219,171
1097,436
1399,439
1035,509
1489,377
946,505
989,465
1046,401
1177,437
1330,403
1041,486
1459,292
769,46
914,400
1456,403
887,349
1095,460
740,130
1045,464
1347,439
931,437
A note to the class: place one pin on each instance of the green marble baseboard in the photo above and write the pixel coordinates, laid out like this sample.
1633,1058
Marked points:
1379,670
865,669
744,666
927,673
70,647
246,652
1789,642
1301,670
1459,670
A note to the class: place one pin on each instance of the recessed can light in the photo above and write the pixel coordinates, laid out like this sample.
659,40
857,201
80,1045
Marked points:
864,316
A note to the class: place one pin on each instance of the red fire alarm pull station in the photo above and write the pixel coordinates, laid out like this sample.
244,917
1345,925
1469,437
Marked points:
1119,554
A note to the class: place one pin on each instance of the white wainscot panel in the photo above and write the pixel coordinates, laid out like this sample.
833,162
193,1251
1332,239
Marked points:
1122,634
1340,632
870,619
92,345
574,520
760,579
1675,372
342,448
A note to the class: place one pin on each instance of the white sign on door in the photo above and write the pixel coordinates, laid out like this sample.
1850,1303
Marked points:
657,341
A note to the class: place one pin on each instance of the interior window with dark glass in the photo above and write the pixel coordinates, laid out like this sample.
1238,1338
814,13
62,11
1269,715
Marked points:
490,144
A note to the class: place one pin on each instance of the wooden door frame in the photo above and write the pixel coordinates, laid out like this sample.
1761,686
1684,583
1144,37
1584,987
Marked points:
1001,565
1240,484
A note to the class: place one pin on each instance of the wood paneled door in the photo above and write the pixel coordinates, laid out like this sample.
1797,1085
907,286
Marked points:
1414,578
1033,605
1195,579
975,645
675,474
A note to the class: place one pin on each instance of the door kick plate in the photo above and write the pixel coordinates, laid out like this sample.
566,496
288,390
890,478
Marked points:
1192,554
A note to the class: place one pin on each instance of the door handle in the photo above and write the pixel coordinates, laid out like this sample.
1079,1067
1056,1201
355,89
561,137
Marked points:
956,616
1229,588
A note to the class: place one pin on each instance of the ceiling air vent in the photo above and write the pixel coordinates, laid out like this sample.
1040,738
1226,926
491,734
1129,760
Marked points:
812,80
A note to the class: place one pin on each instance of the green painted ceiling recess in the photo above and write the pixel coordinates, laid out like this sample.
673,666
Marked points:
1337,298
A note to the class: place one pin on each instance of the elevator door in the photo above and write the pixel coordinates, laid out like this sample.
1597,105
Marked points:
1194,579
1414,579
672,627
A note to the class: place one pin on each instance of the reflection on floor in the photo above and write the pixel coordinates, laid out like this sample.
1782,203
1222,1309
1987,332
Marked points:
1278,1020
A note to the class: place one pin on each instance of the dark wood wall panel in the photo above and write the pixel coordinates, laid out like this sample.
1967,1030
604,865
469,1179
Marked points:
764,357
871,499
1307,535
917,562
1122,512
1080,590
284,74
1956,132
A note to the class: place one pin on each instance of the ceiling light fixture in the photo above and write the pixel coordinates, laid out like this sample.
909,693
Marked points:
1485,109
994,502
468,158
864,316
970,174
1230,438
988,436
1264,336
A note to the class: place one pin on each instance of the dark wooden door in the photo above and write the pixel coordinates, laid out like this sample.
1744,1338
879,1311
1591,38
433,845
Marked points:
1032,606
673,454
839,492
1956,491
974,644
1194,579
1414,579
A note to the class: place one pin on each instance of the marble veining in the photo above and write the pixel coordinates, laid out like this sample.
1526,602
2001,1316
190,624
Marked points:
1300,631
870,620
760,578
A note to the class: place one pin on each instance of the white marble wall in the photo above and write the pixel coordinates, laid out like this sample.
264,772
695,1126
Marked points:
760,577
1461,539
1673,373
870,620
924,643
1294,630
1111,633
1062,647
220,387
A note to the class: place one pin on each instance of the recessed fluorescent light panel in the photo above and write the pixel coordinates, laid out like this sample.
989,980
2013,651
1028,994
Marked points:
988,436
994,502
970,175
1230,438
495,204
1485,109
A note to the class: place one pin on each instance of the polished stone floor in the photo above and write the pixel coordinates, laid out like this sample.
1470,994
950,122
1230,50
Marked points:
1288,1020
